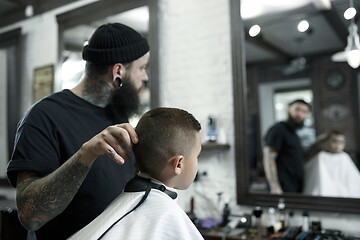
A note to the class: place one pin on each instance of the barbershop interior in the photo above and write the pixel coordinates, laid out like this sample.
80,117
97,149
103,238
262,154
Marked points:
239,67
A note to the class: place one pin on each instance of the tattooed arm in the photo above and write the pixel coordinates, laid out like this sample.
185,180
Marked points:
271,170
41,199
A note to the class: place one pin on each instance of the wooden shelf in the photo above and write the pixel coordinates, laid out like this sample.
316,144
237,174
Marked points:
215,146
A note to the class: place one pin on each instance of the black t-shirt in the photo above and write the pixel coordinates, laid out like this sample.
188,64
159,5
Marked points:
290,166
49,134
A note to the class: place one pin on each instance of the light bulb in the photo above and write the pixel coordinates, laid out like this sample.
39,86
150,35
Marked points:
29,11
349,13
303,26
353,58
254,30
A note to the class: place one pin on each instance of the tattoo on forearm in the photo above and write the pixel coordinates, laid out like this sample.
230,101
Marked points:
273,172
45,198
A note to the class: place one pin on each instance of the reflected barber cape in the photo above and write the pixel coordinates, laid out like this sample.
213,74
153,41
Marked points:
332,175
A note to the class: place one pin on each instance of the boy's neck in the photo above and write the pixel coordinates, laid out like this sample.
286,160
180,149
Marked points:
154,179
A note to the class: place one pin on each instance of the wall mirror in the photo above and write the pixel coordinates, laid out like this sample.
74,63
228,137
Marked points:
282,63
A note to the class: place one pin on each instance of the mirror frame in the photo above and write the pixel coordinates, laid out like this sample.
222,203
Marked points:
244,197
12,38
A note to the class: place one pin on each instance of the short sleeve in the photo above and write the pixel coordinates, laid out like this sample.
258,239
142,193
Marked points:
34,150
274,137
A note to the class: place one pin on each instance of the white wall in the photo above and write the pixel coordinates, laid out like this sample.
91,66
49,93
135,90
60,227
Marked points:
195,74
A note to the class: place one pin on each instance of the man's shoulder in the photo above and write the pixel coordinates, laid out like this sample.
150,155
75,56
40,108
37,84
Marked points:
48,105
49,101
278,126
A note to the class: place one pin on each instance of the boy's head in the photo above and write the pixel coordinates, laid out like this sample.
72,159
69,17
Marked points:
169,145
335,141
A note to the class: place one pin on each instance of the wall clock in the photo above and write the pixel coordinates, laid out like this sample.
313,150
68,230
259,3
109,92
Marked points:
334,80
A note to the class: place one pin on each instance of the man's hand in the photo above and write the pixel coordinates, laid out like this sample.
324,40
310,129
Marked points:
276,189
113,141
59,187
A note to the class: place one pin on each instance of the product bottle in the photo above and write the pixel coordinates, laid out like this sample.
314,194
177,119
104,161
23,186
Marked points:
305,222
225,214
273,225
257,212
291,222
282,212
211,131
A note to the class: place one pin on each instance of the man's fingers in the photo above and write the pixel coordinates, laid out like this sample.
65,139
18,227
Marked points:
130,130
115,156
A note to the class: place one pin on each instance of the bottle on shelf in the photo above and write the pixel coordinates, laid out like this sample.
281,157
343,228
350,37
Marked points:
272,222
291,219
256,226
211,129
305,222
226,214
282,213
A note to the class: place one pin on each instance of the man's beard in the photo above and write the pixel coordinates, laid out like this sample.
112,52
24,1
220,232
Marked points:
125,99
294,124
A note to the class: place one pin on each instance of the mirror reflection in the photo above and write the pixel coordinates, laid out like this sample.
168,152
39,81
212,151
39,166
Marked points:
301,51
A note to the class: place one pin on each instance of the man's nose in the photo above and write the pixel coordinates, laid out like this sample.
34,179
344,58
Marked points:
146,77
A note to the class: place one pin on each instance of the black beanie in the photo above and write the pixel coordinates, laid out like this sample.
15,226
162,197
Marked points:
114,43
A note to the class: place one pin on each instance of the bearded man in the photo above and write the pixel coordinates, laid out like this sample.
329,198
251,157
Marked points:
283,154
71,157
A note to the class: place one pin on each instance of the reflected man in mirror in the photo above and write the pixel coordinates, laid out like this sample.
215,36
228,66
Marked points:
283,154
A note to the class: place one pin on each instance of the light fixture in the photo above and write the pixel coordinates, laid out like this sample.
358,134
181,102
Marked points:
254,30
303,26
29,11
350,13
351,54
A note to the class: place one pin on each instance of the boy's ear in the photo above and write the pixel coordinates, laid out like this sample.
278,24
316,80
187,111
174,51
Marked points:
177,164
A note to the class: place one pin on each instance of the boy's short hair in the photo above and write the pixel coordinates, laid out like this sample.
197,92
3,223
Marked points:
163,133
334,132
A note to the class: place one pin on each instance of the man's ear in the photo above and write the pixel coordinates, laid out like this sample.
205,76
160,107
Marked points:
177,164
118,70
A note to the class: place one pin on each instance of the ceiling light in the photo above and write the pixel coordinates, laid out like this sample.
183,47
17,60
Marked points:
349,13
303,26
351,54
29,11
254,30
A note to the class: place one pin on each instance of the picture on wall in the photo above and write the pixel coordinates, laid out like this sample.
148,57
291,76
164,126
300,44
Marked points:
43,82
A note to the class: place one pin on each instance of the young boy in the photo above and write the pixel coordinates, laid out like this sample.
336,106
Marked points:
335,142
166,155
332,141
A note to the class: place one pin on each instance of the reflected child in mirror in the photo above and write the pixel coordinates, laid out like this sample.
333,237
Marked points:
331,171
